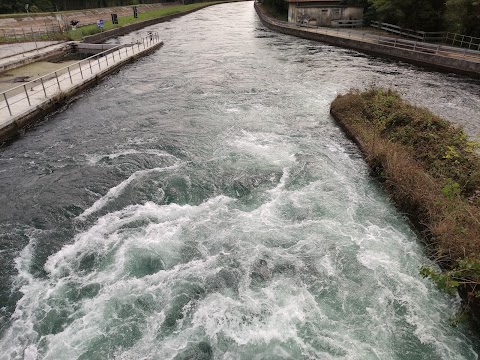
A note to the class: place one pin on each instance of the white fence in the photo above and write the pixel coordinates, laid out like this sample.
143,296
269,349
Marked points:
32,93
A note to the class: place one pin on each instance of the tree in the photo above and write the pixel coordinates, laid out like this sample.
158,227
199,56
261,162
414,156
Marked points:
463,16
412,14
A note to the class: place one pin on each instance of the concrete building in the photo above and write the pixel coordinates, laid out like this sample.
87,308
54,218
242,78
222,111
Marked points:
324,13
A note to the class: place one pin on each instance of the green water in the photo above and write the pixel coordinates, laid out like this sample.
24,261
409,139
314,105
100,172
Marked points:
202,204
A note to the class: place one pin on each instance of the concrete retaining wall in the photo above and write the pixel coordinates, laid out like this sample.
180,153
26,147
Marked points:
429,60
57,51
37,113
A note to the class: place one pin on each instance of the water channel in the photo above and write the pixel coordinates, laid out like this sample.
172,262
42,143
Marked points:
202,204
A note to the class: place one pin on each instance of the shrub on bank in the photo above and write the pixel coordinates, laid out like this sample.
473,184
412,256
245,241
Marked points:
432,171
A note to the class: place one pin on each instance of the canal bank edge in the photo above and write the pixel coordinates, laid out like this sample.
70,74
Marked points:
57,101
432,61
100,37
415,154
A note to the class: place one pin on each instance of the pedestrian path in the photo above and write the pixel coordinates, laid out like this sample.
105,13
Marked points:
19,102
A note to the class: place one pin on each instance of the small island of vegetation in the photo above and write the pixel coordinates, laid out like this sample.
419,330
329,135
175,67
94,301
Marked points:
432,170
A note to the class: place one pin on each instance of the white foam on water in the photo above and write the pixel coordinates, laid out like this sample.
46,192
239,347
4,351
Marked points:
96,158
272,147
117,190
321,269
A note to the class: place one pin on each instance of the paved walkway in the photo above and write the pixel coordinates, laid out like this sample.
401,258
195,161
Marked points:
26,98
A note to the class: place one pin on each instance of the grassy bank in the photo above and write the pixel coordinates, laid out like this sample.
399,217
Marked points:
432,171
127,20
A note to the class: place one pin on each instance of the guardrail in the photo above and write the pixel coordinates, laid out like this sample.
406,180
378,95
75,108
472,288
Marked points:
50,85
347,23
9,35
415,34
462,40
404,44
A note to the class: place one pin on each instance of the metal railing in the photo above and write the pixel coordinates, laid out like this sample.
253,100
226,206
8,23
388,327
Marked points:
406,45
469,42
347,23
9,35
414,34
47,86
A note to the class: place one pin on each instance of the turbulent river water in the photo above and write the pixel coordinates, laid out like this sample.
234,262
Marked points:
202,204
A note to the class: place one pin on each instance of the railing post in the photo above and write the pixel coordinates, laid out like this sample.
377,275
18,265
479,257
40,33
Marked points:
58,82
43,86
99,63
70,74
26,93
8,106
113,56
395,43
90,64
106,59
80,67
414,46
438,47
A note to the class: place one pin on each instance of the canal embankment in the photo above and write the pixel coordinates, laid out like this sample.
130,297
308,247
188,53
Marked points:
434,56
103,36
25,104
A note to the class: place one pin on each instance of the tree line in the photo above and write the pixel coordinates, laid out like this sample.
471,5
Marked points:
20,6
459,16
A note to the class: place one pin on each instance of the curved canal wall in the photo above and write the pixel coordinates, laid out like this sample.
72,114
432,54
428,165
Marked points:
438,62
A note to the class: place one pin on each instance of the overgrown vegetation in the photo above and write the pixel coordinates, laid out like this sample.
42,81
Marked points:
432,170
461,16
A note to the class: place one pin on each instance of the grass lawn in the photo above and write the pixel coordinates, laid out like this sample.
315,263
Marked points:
126,20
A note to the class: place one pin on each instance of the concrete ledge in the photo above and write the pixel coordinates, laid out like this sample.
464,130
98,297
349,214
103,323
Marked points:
437,62
34,56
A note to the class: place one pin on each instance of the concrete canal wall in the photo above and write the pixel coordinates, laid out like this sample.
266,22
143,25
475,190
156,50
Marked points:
44,95
439,62
34,56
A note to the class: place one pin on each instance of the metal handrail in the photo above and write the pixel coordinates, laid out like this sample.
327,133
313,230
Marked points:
68,72
407,45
